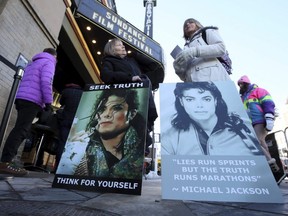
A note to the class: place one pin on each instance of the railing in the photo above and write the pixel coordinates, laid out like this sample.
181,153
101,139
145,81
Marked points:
284,132
8,109
285,135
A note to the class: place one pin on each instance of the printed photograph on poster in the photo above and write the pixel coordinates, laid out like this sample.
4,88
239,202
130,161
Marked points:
200,111
207,138
106,141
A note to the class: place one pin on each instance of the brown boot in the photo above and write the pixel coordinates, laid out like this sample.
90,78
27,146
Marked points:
10,168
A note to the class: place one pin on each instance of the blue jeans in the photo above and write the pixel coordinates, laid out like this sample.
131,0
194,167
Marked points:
27,111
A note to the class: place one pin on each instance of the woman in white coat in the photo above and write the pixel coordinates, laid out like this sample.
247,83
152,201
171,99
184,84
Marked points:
198,60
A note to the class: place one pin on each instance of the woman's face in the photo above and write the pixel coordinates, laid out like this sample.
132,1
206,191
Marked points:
112,116
243,87
119,49
198,105
190,28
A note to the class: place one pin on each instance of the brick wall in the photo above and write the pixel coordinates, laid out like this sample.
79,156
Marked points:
19,33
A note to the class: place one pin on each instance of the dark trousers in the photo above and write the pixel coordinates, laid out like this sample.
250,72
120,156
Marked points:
64,129
27,111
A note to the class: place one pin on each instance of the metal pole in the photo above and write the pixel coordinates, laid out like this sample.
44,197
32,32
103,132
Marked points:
153,141
148,30
286,136
7,113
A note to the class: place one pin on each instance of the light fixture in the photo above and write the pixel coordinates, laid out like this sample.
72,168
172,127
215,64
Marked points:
88,28
129,51
94,41
98,53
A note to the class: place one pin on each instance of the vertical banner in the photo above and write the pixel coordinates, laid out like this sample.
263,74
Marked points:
148,25
209,150
105,148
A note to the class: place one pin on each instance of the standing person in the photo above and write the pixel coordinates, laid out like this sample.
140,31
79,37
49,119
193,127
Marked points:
114,139
203,126
198,60
261,109
118,68
69,102
34,94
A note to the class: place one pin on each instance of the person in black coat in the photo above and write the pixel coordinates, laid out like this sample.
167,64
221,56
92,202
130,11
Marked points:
69,101
117,67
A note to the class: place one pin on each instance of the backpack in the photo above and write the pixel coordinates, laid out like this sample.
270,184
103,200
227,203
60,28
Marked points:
225,59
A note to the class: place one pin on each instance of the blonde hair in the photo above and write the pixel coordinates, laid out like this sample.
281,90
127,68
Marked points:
190,20
109,46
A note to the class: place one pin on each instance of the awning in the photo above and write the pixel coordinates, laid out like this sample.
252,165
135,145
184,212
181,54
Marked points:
98,24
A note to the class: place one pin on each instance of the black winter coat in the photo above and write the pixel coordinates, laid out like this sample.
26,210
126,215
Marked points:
119,70
70,99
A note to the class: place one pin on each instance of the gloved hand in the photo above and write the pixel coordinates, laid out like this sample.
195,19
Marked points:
136,79
269,121
45,114
48,107
187,54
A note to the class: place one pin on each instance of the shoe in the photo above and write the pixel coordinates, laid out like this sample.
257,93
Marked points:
273,165
10,168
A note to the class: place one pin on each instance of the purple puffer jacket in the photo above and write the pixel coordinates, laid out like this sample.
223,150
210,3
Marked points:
36,84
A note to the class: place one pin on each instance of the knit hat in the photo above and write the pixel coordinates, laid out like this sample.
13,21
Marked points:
244,79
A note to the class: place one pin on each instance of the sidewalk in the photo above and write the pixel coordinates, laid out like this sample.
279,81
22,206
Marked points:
33,195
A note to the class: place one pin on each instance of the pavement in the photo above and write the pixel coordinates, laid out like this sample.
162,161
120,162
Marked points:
33,195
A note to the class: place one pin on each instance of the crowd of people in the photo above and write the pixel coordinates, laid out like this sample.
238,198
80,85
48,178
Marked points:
116,149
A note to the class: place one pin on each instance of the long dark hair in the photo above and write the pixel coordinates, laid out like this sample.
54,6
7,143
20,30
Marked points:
232,121
181,119
131,98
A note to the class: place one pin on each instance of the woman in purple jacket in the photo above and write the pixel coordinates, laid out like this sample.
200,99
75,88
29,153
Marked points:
34,94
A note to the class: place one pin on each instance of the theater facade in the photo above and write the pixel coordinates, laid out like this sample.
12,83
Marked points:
78,29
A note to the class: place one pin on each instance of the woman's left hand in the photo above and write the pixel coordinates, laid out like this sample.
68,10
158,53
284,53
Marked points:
184,57
136,79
